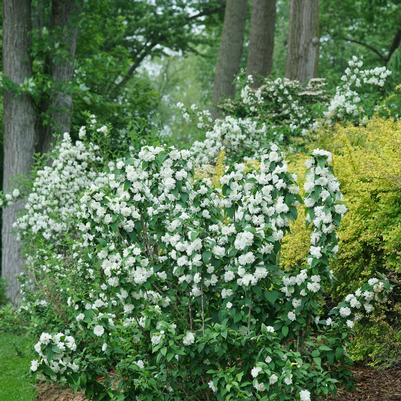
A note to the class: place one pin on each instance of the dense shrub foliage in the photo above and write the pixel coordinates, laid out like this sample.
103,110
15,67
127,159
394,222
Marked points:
160,284
367,162
157,273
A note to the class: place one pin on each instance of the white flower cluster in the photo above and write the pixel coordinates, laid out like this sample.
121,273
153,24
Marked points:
55,351
347,102
10,198
324,212
52,204
283,104
238,137
323,201
361,302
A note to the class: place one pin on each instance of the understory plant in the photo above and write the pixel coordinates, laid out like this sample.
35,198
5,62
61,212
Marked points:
148,280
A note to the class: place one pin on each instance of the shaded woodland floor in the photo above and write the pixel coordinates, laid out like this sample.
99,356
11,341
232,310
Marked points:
371,385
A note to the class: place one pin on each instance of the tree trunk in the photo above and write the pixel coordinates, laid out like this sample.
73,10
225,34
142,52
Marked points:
303,40
230,52
19,129
261,41
64,28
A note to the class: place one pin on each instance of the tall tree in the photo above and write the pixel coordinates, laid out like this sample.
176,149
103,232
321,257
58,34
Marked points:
64,28
303,40
261,40
19,127
229,58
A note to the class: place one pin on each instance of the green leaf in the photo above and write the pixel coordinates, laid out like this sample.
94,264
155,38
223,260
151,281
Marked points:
206,256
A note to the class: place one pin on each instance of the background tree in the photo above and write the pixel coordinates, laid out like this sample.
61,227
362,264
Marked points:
19,126
230,52
303,40
261,39
64,30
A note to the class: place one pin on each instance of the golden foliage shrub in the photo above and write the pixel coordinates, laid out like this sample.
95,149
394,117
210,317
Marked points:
367,161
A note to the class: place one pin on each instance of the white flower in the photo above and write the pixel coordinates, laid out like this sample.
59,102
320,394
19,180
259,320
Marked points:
268,359
304,395
229,276
98,330
255,372
155,339
259,386
104,347
34,365
219,251
189,338
291,316
316,251
45,338
345,311
212,387
80,317
243,240
140,364
273,379
246,259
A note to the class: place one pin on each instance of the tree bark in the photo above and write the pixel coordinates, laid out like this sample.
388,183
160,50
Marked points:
64,27
19,129
229,58
303,40
261,41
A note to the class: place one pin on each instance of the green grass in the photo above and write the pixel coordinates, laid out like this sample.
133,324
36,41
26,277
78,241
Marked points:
15,356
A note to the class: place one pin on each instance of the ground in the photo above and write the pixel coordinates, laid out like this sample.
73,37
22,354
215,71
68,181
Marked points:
15,357
16,383
374,385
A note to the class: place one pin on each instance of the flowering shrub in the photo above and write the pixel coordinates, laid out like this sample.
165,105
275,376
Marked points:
287,107
290,110
239,138
351,101
160,283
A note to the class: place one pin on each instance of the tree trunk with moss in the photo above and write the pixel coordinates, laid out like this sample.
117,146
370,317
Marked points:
261,40
230,53
303,40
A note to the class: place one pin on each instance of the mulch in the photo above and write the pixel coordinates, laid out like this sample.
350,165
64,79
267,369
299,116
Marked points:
371,385
52,392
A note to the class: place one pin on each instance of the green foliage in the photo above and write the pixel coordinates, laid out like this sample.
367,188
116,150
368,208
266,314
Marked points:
367,161
11,320
3,298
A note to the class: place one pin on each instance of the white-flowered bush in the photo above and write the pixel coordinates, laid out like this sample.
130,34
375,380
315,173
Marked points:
290,110
151,281
351,100
239,138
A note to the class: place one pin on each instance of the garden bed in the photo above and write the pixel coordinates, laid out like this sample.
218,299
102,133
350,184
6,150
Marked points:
371,385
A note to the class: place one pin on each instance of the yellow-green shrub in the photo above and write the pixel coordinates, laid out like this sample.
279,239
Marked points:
367,161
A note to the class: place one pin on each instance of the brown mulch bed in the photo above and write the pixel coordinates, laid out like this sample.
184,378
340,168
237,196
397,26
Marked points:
51,392
371,385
